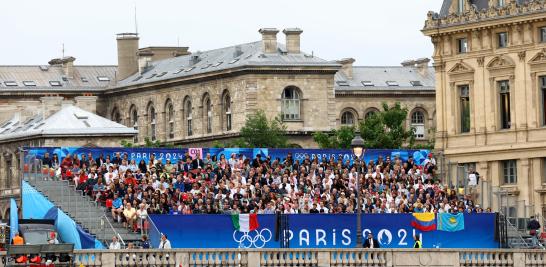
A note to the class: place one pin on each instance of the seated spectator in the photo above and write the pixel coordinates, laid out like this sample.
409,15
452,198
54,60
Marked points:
117,208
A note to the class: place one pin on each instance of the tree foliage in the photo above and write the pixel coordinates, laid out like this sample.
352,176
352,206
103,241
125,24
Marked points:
258,131
386,129
336,138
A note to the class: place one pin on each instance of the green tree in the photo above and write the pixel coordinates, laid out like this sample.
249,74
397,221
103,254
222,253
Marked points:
336,138
386,129
258,131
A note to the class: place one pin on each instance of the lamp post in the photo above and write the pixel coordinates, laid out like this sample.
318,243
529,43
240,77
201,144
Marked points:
357,146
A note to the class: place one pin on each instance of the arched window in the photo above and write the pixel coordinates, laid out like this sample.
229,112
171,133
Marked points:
291,103
347,118
152,121
226,103
169,112
207,105
187,116
418,123
116,116
133,114
370,113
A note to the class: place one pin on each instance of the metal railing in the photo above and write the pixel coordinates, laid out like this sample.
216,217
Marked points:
102,224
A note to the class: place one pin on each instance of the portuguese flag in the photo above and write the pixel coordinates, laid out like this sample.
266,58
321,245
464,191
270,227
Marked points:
245,222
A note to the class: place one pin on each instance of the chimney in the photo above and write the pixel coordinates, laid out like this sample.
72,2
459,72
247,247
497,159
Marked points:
422,65
269,40
408,63
67,64
127,55
292,40
86,102
347,66
51,104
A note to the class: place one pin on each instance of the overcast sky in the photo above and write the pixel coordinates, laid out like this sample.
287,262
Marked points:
381,32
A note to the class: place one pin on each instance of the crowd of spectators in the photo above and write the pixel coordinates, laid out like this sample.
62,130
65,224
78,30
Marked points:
263,185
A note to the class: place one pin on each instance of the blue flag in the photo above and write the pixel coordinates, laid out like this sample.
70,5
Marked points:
13,219
449,222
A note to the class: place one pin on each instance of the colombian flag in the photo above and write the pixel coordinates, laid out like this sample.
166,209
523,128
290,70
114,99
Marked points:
424,221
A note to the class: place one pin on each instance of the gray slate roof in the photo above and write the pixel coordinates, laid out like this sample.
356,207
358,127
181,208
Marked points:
480,5
378,76
42,75
69,121
249,54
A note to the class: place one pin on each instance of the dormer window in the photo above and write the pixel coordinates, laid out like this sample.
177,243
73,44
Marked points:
392,83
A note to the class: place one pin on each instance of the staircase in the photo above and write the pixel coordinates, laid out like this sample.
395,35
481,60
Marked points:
92,217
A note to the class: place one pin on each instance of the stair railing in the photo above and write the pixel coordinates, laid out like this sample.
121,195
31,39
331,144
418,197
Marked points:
109,224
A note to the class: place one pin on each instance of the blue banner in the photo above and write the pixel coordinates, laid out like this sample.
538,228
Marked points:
175,154
322,231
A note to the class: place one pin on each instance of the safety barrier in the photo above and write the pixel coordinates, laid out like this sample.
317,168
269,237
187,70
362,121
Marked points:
307,257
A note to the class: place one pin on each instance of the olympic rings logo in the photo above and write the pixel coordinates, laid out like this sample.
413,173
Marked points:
252,239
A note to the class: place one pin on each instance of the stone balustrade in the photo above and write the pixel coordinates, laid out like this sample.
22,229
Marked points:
308,257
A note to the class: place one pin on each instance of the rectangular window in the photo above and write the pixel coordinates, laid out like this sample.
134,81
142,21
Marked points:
543,98
503,39
509,172
504,103
460,6
464,92
501,3
228,121
190,130
462,45
543,34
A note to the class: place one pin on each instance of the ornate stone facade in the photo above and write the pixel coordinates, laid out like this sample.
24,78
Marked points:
490,98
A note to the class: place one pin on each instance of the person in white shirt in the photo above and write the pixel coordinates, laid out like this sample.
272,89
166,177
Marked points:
165,243
115,243
472,177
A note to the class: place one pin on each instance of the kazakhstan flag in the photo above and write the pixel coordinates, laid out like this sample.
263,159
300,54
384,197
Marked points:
449,222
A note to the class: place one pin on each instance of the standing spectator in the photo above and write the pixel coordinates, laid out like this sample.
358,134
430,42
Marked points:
144,242
142,215
114,244
417,243
533,225
46,161
165,243
473,177
371,242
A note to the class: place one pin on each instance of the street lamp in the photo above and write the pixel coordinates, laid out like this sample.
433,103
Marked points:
357,145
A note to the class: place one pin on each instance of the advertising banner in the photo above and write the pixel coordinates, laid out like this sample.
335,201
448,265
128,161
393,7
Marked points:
322,231
175,154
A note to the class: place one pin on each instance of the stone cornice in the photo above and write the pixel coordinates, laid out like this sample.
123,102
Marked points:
533,10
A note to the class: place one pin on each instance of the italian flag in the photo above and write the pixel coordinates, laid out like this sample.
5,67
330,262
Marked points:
245,222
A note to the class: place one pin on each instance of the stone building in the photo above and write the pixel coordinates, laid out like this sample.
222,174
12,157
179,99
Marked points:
206,96
54,124
193,99
490,63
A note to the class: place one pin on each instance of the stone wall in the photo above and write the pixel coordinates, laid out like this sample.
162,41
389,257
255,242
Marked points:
488,144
